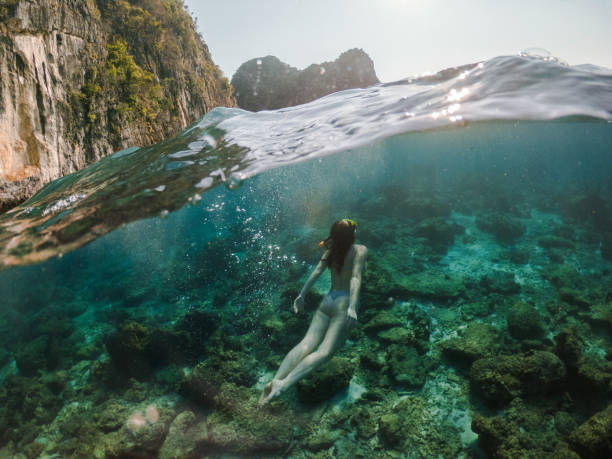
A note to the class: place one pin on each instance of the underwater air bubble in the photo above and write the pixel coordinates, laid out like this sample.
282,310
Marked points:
206,182
195,199
210,140
164,213
235,181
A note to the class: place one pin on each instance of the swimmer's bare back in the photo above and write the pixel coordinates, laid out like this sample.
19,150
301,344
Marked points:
349,277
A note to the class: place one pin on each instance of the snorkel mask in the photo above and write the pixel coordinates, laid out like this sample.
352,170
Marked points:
352,223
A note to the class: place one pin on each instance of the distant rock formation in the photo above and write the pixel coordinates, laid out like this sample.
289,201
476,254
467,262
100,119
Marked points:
82,79
266,83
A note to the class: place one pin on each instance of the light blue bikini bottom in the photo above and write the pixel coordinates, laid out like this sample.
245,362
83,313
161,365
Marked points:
334,294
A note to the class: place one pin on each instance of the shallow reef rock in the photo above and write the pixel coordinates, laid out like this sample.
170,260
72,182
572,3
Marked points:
266,83
594,437
586,374
406,366
184,437
475,342
203,384
138,437
382,321
500,282
500,379
240,426
25,406
505,228
435,285
438,233
81,80
407,426
501,437
329,379
524,321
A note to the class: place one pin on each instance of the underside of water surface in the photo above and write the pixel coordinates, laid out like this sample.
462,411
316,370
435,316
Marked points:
484,325
146,300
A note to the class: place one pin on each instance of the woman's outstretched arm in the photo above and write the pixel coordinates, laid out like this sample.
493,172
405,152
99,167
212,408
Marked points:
298,304
358,266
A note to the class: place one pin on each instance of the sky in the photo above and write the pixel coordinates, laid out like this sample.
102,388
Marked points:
403,37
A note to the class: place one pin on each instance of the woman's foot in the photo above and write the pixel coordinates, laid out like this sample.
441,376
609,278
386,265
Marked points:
265,393
272,390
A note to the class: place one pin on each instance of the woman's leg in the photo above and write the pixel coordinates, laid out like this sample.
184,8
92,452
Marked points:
311,340
334,338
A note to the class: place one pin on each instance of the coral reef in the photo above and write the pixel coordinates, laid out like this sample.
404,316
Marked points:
594,437
328,380
500,379
524,321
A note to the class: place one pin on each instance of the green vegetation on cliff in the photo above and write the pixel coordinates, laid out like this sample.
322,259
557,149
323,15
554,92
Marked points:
154,57
130,91
82,79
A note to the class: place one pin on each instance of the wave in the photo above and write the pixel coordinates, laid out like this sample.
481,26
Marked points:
230,145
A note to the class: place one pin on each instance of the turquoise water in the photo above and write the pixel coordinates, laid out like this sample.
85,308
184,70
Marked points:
486,308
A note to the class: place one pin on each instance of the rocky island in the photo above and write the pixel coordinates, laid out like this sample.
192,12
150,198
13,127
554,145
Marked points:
267,83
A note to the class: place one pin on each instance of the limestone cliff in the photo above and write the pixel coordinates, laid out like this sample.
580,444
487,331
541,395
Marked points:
266,83
80,79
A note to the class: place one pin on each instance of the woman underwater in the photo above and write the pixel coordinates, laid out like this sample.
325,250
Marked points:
335,315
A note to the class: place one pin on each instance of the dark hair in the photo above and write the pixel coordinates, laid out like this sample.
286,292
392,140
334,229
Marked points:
342,236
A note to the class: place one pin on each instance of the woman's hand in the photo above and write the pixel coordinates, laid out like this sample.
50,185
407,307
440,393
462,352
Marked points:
351,319
298,304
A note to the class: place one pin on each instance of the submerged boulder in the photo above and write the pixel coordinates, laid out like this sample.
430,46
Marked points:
128,348
524,321
398,335
594,437
434,285
519,435
139,436
239,426
382,321
26,405
409,425
506,229
439,233
500,282
481,308
586,375
500,379
202,385
33,356
475,342
185,437
328,380
406,366
555,242
600,315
